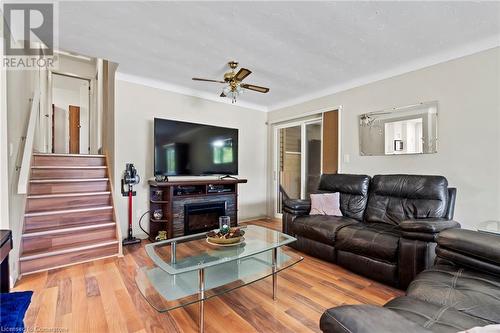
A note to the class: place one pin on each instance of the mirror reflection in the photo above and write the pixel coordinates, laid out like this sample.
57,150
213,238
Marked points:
398,131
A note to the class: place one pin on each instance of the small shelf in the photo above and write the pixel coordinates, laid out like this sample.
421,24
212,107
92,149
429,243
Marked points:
202,195
159,221
220,193
159,201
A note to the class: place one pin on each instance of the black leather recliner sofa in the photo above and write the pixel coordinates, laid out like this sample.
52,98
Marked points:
388,228
461,291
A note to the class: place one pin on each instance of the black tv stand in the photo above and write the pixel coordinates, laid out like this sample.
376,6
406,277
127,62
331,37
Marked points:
227,177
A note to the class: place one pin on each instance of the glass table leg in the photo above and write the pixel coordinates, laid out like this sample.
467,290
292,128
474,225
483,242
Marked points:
201,278
275,276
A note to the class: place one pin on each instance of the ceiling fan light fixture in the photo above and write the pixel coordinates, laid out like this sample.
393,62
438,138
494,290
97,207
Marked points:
233,79
232,93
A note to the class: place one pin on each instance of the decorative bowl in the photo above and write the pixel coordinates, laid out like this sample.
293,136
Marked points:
233,237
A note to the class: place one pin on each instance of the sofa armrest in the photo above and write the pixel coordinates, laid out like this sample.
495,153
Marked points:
297,206
470,246
426,229
366,319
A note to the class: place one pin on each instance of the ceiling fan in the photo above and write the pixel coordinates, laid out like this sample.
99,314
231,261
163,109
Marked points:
234,82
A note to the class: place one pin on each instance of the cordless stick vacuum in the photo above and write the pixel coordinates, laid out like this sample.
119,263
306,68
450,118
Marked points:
130,178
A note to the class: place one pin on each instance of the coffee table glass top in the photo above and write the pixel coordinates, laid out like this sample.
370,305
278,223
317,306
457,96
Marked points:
194,252
170,283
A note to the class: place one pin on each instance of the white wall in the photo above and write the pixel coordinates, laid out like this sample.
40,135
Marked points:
137,105
20,87
4,180
468,92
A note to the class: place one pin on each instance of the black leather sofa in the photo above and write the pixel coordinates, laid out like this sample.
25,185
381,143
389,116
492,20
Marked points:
388,228
461,291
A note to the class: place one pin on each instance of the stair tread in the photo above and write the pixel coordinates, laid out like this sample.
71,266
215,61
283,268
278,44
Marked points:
64,195
56,250
68,180
70,167
68,155
68,228
65,211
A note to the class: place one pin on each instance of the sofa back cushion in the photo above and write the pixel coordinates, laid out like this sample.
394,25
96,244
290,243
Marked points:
353,191
395,198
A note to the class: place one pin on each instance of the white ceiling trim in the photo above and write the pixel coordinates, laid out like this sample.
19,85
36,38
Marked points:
463,51
162,85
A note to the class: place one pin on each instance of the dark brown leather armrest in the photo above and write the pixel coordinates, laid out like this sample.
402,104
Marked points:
366,319
483,246
297,206
426,229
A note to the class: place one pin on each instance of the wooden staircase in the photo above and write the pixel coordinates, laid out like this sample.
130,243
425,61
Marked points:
69,214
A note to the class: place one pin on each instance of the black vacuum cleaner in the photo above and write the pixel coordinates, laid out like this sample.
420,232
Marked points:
130,178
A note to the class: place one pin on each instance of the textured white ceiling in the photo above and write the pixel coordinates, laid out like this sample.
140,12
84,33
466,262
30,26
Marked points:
297,49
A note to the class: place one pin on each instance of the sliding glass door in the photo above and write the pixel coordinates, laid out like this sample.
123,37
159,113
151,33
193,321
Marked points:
298,159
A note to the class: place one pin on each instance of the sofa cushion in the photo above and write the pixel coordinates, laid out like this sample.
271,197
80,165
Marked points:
321,228
468,291
395,198
353,191
374,240
437,318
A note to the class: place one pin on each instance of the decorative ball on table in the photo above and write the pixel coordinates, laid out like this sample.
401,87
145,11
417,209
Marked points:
224,229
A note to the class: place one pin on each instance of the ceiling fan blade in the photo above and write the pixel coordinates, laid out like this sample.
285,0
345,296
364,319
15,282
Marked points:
255,88
207,80
242,74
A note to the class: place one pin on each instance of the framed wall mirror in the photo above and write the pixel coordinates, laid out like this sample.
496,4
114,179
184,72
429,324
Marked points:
399,131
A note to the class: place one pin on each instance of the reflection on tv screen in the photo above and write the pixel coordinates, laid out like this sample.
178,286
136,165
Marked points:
183,148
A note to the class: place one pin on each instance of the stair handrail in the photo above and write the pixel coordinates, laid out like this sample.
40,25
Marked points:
24,171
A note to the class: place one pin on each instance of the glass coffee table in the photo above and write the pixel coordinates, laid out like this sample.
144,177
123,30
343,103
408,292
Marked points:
188,269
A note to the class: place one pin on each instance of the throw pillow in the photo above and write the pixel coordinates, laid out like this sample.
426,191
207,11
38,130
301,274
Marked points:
325,204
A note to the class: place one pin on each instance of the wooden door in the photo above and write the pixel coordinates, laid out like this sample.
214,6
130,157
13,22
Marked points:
331,142
74,129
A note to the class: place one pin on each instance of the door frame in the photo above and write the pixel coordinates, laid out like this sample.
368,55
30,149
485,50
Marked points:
303,151
298,121
90,81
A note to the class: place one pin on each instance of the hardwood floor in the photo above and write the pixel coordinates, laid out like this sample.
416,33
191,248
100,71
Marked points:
101,296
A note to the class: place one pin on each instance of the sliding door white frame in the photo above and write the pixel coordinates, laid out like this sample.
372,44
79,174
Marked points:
296,121
303,156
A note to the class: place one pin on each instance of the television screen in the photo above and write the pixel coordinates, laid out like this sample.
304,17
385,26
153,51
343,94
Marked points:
183,149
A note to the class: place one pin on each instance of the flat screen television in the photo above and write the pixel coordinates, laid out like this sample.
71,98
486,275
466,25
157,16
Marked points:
189,149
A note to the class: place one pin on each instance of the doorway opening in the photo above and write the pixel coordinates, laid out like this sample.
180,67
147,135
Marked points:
304,149
70,114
